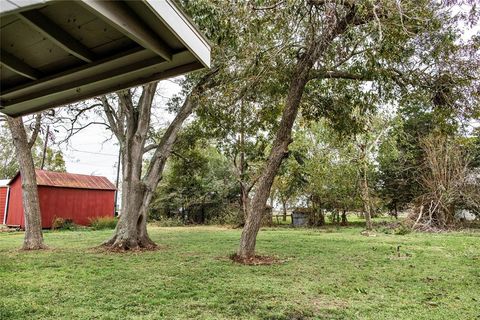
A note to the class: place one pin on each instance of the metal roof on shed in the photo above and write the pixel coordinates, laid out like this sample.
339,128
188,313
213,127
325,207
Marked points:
59,52
70,180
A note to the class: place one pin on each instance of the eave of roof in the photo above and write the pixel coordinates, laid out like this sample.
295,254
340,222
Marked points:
53,53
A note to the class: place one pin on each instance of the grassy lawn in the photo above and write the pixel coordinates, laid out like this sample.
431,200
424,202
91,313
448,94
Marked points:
328,274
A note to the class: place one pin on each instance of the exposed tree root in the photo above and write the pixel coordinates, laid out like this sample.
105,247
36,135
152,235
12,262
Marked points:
31,247
116,244
255,260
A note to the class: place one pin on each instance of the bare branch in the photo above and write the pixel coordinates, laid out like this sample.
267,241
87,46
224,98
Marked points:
337,74
150,148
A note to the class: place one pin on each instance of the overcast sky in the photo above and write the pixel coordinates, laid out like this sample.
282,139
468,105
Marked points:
89,153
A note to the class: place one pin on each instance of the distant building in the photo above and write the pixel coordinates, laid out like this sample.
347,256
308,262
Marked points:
301,216
76,197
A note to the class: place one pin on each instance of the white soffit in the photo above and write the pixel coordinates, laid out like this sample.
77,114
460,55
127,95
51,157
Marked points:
59,52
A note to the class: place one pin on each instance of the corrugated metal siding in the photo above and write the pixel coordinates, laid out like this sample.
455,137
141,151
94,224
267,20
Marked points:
15,205
77,204
70,180
3,202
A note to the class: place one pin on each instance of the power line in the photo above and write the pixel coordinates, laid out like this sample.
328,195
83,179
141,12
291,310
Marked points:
97,153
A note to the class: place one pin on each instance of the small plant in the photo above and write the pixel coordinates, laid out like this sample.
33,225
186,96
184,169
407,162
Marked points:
169,222
63,224
100,223
402,230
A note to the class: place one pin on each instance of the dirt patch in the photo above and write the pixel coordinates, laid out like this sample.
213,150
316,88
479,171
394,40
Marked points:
256,260
325,302
42,249
108,249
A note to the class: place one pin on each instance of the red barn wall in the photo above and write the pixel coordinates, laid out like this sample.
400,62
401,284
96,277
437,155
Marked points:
3,202
15,206
79,205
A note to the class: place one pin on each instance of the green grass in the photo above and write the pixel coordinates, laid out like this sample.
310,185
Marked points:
328,274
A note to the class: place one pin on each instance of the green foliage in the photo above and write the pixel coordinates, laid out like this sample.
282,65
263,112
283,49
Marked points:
8,164
198,184
402,230
410,57
54,161
330,167
162,221
100,223
473,148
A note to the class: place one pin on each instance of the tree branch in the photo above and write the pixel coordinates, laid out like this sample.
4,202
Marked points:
35,131
338,74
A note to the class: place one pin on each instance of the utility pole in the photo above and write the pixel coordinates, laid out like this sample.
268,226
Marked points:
45,147
116,182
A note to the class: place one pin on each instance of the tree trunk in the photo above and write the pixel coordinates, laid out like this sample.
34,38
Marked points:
321,217
318,211
315,48
242,165
131,125
33,222
131,231
336,216
344,218
244,202
284,205
366,199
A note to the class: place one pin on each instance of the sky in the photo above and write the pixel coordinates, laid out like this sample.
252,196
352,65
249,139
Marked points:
90,152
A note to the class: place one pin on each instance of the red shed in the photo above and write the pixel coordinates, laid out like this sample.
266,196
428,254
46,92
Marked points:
3,200
64,195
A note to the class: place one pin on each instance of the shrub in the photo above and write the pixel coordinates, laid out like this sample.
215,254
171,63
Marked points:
63,224
168,222
230,215
402,230
101,223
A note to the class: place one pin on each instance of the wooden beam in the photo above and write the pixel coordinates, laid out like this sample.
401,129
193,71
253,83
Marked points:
18,66
56,34
96,78
98,67
123,19
95,89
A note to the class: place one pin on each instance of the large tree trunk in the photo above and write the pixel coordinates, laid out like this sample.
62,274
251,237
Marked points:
33,222
131,125
279,150
334,25
131,232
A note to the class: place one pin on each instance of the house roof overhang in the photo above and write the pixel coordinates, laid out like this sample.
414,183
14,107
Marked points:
58,52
